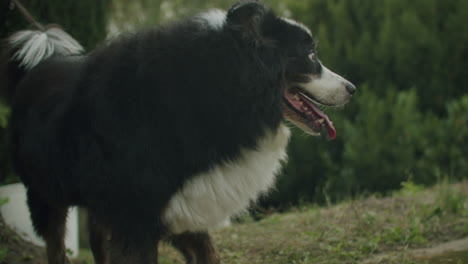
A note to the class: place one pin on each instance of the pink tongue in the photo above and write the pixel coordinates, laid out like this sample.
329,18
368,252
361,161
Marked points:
328,124
331,131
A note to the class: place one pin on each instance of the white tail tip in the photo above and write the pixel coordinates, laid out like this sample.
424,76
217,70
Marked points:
33,47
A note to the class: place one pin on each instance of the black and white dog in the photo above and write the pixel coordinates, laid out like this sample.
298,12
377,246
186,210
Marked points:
164,133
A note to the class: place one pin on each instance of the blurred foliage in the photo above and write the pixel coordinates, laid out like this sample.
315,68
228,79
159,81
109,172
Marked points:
408,120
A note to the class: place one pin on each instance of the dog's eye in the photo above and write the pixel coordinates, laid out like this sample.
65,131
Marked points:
312,55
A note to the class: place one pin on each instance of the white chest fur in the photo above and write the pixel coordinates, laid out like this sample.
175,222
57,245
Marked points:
227,189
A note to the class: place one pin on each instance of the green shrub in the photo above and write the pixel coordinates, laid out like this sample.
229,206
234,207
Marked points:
381,143
445,141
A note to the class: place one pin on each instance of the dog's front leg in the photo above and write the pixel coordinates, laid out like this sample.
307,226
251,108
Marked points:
197,248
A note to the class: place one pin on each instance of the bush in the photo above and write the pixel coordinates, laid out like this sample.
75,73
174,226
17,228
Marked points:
382,143
444,144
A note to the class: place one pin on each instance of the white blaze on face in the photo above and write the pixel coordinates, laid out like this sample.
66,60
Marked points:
329,88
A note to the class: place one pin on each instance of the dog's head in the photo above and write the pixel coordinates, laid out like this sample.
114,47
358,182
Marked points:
309,84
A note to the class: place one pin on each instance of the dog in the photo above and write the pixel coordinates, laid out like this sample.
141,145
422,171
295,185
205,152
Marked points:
164,133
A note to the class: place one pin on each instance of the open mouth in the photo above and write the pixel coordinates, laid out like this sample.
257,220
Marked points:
303,110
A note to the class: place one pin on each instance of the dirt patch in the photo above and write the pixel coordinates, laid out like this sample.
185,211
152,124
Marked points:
18,251
442,249
424,254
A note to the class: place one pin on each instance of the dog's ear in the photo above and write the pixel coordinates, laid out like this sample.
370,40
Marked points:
248,18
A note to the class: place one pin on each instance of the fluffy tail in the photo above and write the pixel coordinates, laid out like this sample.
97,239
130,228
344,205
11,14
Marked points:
26,49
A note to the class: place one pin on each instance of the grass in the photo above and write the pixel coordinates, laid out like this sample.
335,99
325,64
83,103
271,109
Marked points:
350,232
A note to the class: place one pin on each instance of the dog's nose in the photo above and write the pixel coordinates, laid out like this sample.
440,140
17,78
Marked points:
350,88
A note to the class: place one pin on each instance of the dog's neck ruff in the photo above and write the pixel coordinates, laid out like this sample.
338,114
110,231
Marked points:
227,189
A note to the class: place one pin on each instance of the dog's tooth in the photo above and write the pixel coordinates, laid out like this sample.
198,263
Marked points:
296,97
320,121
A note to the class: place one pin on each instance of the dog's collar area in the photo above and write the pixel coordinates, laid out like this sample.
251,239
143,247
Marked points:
311,116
